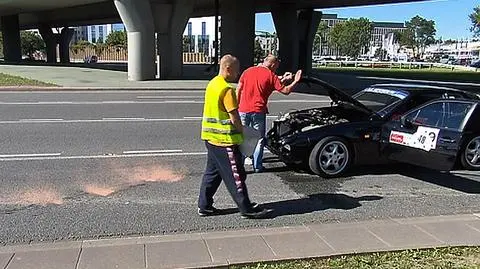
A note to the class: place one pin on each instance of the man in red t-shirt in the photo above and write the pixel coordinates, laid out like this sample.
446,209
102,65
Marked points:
255,86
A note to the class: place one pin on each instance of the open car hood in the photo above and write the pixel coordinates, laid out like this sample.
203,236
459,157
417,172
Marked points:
337,95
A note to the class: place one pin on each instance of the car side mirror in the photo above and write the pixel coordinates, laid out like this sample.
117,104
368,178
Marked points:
406,122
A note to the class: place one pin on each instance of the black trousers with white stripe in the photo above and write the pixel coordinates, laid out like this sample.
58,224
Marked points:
224,163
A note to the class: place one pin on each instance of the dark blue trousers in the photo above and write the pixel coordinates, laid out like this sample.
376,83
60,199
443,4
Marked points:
224,163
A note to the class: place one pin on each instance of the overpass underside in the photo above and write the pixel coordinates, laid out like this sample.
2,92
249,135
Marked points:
295,22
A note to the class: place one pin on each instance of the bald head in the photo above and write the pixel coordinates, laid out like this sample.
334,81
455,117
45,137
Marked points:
229,67
271,62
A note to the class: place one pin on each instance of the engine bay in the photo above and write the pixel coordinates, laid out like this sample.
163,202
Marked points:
308,119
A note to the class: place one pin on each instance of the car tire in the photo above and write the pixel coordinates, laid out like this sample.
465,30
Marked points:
470,157
331,157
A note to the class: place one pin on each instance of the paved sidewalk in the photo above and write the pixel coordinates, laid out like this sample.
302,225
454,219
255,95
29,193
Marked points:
220,249
84,77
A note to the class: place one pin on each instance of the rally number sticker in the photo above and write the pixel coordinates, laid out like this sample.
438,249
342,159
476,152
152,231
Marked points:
424,138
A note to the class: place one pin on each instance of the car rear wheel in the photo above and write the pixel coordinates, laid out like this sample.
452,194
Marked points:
471,154
331,157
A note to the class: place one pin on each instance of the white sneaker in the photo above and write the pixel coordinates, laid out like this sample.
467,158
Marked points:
248,161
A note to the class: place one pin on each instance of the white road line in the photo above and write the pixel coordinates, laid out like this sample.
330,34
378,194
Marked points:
42,120
171,97
148,102
95,120
186,118
299,101
103,156
29,155
56,156
123,119
424,81
192,118
152,151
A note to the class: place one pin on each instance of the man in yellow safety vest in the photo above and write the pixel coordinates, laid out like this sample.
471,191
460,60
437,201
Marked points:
223,133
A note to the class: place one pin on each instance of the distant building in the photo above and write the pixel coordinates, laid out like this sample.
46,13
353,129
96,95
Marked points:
95,33
380,36
199,35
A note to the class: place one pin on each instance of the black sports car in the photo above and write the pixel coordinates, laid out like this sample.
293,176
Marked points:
356,130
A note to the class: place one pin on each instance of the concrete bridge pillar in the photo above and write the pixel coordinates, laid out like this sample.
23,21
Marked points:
50,42
138,20
308,21
285,20
64,39
170,22
296,32
238,30
12,49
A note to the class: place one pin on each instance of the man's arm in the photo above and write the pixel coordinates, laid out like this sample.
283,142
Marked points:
239,90
235,119
289,88
231,106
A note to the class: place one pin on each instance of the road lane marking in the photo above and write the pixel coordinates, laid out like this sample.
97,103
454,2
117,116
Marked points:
149,102
186,119
152,151
41,158
171,97
123,119
57,156
29,155
42,120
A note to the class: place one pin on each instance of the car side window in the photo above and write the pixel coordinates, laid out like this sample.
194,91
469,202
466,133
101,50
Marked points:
455,114
430,115
449,115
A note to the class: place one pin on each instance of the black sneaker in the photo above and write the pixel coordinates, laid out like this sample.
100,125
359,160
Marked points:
257,214
212,211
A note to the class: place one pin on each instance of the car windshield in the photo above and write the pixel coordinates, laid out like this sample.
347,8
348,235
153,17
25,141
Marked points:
378,99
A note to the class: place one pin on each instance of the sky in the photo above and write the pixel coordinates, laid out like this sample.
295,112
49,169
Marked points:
450,16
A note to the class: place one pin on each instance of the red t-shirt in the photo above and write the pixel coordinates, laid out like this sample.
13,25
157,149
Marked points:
257,84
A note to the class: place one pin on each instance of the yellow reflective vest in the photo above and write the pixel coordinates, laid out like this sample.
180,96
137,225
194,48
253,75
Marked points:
216,125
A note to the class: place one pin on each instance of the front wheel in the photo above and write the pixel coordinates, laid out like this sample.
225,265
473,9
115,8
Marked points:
331,157
471,154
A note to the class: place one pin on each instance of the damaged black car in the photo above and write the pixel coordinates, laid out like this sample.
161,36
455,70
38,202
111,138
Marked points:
330,140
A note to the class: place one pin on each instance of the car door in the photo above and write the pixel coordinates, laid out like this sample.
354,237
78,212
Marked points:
429,136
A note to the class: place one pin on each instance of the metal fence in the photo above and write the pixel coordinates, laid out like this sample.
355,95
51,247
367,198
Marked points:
402,65
112,54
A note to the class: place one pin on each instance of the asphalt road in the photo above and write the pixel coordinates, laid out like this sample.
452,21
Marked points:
79,165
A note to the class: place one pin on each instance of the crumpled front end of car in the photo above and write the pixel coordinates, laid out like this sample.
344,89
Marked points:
290,136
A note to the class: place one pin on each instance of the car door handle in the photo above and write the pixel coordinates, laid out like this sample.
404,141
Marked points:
446,140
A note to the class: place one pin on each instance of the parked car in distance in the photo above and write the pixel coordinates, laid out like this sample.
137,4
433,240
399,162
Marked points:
330,140
90,59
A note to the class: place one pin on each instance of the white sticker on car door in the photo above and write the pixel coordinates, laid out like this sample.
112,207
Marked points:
424,138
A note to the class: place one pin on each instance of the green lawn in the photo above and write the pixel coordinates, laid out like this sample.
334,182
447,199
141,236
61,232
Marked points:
9,80
467,258
438,74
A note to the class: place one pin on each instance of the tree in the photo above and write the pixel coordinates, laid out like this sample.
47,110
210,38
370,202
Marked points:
81,45
117,39
259,52
380,54
419,34
351,37
475,19
31,42
405,38
188,43
321,36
